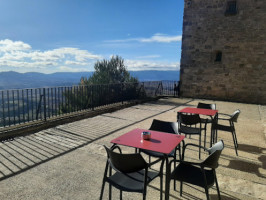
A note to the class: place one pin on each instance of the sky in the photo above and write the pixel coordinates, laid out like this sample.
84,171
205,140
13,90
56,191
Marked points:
71,35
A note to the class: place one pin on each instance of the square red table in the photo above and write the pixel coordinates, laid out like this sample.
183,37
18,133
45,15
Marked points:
159,142
200,111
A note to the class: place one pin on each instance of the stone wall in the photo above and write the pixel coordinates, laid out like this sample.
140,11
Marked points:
240,40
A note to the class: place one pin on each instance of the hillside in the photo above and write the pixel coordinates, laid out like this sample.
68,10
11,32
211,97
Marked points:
14,80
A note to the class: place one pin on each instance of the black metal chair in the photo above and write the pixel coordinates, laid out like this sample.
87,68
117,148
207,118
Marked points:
201,174
132,173
216,126
167,127
206,120
190,125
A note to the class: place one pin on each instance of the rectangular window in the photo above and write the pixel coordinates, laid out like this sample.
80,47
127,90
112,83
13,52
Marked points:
231,8
218,56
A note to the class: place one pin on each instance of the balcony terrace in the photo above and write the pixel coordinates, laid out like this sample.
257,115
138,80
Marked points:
68,161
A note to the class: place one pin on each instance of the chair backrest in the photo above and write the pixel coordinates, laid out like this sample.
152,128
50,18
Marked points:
168,127
214,154
235,115
188,119
126,163
207,106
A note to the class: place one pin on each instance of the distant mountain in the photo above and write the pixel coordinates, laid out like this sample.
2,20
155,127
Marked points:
153,75
15,80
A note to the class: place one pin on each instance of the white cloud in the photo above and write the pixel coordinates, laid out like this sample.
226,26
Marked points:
8,45
158,37
135,65
17,54
77,63
162,38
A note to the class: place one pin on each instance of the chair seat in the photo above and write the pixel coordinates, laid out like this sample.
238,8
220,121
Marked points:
189,130
131,182
193,175
157,154
205,120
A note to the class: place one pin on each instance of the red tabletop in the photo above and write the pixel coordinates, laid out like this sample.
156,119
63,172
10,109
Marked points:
159,142
199,111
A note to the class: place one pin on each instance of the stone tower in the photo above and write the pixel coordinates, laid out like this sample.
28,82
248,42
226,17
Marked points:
224,50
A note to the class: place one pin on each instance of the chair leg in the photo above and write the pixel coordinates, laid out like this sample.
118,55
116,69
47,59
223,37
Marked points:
104,179
205,130
235,138
181,188
199,145
212,134
205,139
175,165
207,193
121,195
161,186
179,152
234,142
205,184
161,180
102,190
215,136
234,132
110,186
144,196
183,144
217,186
110,191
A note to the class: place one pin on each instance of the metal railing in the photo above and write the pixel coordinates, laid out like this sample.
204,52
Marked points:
22,106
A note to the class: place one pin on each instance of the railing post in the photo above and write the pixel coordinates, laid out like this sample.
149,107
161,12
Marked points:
162,88
3,104
44,104
92,103
39,106
157,90
122,94
143,88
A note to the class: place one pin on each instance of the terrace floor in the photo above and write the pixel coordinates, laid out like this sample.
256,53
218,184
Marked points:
68,161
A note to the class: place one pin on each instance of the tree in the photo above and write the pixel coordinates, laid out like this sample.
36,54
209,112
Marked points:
110,83
109,72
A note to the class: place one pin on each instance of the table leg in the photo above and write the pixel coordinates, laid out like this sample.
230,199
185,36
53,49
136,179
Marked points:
211,137
213,131
167,178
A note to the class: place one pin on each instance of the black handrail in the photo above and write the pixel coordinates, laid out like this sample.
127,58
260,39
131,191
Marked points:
20,106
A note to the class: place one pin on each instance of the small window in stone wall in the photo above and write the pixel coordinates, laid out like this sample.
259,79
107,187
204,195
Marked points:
218,56
231,8
188,3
